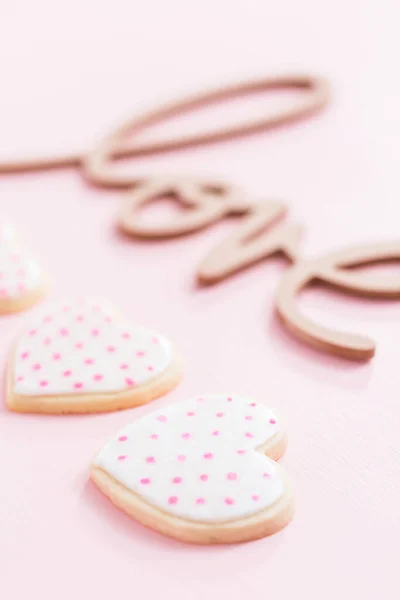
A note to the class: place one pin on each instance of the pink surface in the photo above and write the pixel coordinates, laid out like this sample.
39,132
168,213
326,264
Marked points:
69,73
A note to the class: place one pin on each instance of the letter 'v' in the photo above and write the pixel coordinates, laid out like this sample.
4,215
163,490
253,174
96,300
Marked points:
253,240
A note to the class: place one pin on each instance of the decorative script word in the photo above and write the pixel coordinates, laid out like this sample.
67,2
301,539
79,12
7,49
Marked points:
260,233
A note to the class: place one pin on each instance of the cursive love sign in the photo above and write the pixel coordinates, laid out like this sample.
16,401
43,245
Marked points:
260,233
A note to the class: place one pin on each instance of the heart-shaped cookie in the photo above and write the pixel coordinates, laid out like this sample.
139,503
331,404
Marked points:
22,282
200,471
83,357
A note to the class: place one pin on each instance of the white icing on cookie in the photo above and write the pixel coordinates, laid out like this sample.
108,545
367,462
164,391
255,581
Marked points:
198,459
19,272
84,347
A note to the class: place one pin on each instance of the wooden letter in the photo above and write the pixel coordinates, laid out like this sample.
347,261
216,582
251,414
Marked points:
335,269
250,243
205,204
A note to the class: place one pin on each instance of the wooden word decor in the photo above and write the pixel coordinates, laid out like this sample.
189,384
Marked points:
260,232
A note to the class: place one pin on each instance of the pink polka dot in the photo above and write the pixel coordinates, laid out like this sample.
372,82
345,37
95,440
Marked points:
95,332
220,414
37,367
177,480
181,457
255,497
124,366
122,438
24,355
248,418
231,476
32,332
67,373
266,475
47,341
249,435
79,345
216,432
253,404
145,481
89,361
229,399
111,348
140,353
229,501
98,377
57,356
78,385
44,383
154,436
126,335
64,331
161,418
186,436
173,500
20,378
272,421
200,501
208,455
21,287
150,460
203,477
240,451
47,319
122,457
66,308
150,368
129,382
3,292
80,319
108,320
190,414
155,340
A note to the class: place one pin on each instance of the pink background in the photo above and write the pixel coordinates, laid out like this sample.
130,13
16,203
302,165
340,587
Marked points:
70,72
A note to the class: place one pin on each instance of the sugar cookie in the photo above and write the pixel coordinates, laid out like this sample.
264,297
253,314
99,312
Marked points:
22,282
83,357
200,471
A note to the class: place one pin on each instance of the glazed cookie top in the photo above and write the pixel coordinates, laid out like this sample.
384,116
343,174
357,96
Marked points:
86,347
19,271
198,459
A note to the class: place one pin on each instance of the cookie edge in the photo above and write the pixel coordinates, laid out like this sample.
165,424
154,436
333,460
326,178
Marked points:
26,300
259,525
95,403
